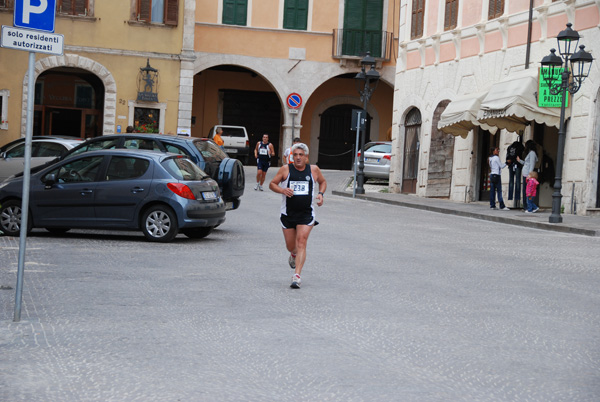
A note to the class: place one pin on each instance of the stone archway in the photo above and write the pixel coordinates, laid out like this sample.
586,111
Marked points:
76,61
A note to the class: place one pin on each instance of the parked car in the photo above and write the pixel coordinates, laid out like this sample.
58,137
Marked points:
157,193
236,141
228,172
43,149
378,155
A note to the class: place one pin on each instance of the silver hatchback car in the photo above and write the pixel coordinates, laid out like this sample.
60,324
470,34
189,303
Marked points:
378,155
12,158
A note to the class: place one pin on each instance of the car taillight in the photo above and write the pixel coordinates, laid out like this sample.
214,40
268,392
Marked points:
181,190
388,157
247,143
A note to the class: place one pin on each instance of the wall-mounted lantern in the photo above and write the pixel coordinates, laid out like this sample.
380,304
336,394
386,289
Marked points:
148,83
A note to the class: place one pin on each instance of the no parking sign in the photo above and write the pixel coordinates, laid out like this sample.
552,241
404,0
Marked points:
294,101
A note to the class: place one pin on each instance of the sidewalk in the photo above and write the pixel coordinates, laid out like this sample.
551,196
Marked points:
576,224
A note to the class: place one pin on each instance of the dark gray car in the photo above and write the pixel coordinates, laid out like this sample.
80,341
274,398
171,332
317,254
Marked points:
157,193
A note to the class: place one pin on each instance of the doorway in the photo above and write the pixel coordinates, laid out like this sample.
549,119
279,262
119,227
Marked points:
411,151
486,141
337,142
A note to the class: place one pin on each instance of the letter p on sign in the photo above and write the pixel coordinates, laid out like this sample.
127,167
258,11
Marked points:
35,14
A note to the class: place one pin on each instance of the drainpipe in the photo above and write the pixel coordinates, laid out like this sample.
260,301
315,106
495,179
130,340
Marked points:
529,27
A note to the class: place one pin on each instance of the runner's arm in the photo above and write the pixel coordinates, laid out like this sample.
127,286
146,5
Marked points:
280,176
320,179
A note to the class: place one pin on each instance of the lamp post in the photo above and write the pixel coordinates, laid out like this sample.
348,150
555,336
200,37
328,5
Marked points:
580,63
366,82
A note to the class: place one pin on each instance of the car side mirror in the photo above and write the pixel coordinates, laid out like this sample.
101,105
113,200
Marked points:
3,155
50,180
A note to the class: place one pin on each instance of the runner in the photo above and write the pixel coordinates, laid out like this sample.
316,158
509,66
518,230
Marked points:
287,155
263,152
296,182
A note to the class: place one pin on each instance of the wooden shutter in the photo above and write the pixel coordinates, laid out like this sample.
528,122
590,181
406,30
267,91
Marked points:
295,15
496,9
235,11
144,12
171,12
418,15
451,14
362,27
73,7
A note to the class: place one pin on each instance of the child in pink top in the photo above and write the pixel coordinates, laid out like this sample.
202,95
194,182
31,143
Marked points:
531,191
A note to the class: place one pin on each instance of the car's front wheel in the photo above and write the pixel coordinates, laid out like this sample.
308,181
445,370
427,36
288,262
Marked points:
159,223
10,218
198,233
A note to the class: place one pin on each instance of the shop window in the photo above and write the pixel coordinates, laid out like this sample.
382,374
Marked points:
75,7
418,18
157,11
496,9
451,14
4,93
235,12
146,120
295,14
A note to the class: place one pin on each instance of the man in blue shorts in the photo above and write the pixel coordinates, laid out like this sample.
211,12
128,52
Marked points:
297,182
263,152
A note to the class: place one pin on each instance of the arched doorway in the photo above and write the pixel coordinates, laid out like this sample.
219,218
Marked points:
411,151
68,101
337,142
441,153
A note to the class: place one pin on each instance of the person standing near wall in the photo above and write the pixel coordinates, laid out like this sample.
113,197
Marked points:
496,167
528,165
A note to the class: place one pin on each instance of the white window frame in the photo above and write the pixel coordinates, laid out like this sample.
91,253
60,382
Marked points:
4,93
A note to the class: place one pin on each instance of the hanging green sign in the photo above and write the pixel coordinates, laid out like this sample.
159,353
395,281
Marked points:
545,98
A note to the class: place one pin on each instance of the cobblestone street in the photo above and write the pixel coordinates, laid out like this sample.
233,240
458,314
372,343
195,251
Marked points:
397,304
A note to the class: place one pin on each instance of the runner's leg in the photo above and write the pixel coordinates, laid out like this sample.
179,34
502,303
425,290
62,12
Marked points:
302,233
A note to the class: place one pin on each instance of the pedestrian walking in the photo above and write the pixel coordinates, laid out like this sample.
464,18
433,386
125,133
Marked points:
263,152
496,167
297,183
287,155
531,191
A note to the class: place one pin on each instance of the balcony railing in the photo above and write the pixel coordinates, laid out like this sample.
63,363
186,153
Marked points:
354,43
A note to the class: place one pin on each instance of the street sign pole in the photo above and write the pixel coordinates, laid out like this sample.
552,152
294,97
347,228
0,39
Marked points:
358,120
26,184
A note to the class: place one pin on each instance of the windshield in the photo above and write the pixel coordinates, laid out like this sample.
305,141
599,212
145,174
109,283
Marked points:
183,169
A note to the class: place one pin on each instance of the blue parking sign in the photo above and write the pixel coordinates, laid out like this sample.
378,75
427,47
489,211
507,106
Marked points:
35,14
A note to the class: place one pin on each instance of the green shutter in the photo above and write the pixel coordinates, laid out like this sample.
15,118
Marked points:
363,21
295,15
235,12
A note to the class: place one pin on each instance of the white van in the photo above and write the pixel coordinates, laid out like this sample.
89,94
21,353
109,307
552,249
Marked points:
236,141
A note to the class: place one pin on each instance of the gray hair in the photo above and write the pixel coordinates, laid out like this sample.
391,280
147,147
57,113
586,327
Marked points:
301,146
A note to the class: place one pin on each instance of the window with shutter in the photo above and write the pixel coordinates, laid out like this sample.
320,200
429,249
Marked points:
235,12
158,11
295,15
496,9
417,21
451,14
362,27
74,7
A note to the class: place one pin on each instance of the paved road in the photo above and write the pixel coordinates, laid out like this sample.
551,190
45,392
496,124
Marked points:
397,304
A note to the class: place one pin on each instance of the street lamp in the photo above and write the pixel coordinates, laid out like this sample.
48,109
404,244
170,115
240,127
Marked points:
366,82
580,63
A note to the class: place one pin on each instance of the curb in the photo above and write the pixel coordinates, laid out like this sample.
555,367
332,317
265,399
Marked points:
499,219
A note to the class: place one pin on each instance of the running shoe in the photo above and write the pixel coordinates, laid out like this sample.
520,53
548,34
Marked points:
260,188
527,212
296,281
292,261
505,209
256,187
535,210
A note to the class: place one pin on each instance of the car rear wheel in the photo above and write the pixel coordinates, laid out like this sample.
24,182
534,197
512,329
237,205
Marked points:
159,224
10,218
198,233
